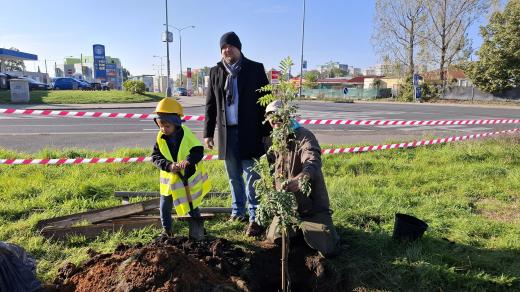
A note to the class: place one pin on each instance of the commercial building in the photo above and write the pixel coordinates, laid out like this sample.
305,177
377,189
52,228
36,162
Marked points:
98,67
333,65
148,81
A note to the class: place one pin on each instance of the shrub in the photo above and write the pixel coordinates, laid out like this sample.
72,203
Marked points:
429,91
406,90
134,86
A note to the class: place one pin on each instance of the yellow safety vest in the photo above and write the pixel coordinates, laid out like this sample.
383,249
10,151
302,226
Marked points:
172,185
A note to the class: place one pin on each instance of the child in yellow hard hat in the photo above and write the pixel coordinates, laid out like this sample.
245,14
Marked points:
177,154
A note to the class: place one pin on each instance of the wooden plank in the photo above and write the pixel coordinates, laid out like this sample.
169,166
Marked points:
91,231
100,215
155,210
188,218
212,210
135,194
156,194
125,196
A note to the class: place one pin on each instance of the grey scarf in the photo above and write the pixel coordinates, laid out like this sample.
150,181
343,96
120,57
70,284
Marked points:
233,71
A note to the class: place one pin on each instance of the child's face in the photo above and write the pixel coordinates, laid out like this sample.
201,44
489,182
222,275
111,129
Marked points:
166,127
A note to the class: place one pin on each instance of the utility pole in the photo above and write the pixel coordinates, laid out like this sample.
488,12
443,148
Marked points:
301,60
168,40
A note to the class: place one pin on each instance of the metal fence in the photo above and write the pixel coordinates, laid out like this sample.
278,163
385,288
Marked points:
353,93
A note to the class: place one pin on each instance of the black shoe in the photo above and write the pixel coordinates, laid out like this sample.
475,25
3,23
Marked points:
254,229
233,218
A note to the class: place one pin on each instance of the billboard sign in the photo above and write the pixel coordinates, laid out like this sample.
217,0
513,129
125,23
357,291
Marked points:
111,70
100,62
275,76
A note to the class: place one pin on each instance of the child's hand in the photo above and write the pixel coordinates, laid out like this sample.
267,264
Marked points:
183,164
174,167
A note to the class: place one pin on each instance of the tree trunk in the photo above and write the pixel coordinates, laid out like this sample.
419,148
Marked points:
285,264
410,50
444,47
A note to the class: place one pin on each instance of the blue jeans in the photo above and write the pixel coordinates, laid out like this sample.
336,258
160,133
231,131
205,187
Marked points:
166,205
236,169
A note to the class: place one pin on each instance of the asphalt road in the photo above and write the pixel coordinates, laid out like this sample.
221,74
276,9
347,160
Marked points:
33,133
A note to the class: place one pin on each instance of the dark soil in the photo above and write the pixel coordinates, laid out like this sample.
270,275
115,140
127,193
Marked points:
180,264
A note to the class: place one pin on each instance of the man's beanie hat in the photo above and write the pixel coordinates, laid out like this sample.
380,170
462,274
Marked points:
230,38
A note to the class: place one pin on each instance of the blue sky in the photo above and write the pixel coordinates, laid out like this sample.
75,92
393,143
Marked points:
337,30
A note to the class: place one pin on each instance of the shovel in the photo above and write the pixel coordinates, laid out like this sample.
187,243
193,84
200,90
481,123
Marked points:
195,224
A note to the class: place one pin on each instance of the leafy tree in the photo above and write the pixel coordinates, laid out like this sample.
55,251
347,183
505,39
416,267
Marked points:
134,86
311,79
275,202
398,26
498,67
13,65
446,37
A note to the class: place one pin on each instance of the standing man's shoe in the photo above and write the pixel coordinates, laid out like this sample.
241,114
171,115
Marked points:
254,229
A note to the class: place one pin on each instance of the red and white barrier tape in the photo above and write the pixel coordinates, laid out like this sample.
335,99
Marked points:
88,114
214,157
301,121
407,123
416,143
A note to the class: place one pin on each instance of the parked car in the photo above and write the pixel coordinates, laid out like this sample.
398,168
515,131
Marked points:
36,85
84,85
181,91
5,80
100,86
68,83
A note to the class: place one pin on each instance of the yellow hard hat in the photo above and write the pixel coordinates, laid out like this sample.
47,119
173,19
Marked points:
169,105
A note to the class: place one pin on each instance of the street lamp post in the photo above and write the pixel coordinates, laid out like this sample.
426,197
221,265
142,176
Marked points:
167,39
301,60
180,46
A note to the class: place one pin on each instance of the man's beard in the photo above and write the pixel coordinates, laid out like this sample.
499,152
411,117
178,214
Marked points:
230,60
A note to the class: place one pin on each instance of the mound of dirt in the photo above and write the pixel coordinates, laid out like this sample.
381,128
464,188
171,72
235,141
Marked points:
180,264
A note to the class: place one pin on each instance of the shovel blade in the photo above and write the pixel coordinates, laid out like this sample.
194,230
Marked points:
196,228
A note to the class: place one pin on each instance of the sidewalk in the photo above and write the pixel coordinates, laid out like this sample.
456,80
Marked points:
186,101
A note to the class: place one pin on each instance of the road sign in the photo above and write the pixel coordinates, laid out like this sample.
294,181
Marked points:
167,36
275,76
415,79
100,62
345,90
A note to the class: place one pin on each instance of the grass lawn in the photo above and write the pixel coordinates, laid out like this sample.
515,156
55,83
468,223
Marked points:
468,193
80,96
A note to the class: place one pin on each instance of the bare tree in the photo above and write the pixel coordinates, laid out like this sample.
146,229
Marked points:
398,25
449,20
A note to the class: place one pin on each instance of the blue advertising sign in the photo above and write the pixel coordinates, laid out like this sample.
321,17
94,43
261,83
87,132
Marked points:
100,62
418,92
111,70
415,79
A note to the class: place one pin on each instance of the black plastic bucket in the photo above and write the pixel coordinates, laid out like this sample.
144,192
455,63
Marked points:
407,227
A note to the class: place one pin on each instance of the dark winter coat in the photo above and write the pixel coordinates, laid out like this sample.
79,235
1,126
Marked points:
252,77
305,158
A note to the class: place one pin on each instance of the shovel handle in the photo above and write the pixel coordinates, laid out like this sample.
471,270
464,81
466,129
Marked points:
187,189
